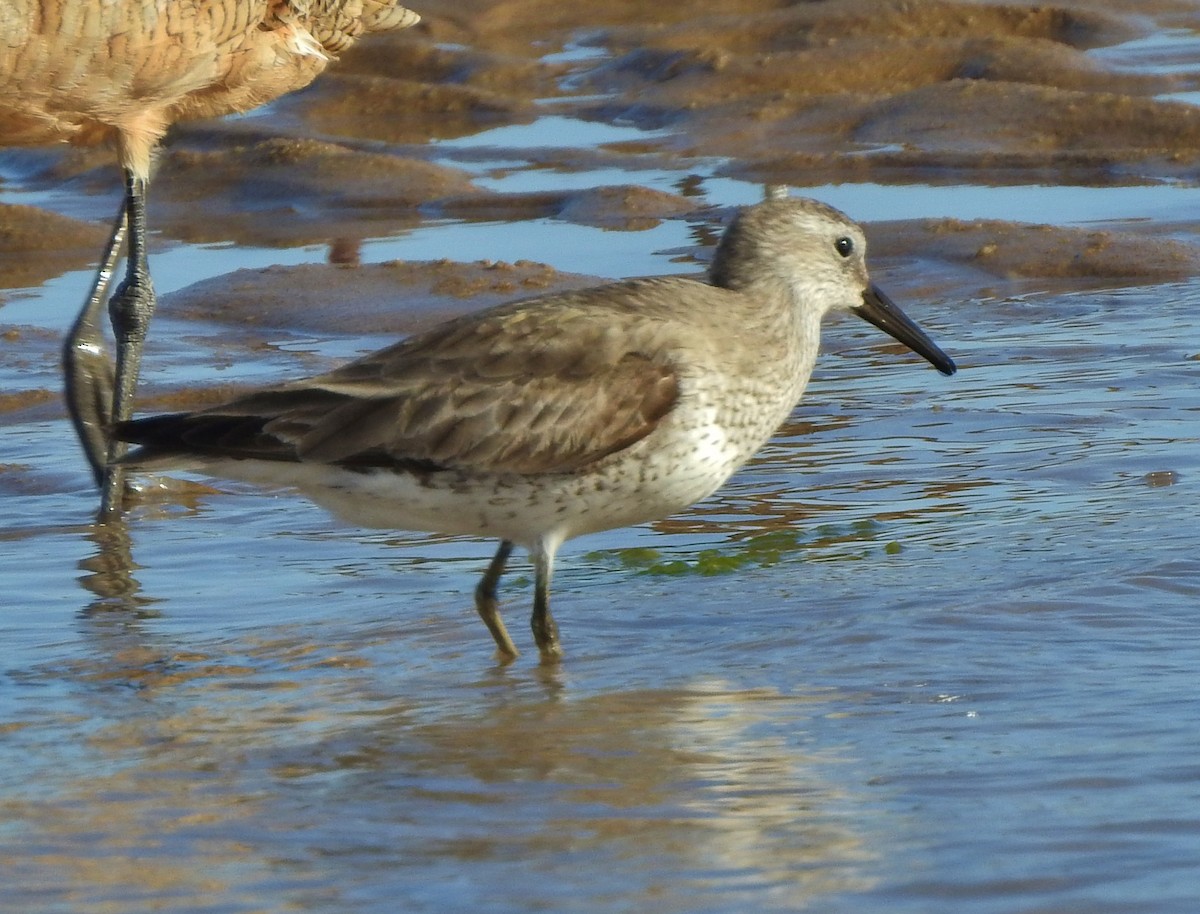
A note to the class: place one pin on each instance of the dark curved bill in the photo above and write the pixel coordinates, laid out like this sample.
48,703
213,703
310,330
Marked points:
887,316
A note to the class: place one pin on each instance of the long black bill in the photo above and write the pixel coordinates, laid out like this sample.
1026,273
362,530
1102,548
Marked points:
887,316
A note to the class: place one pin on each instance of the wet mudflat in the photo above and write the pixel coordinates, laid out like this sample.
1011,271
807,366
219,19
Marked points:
933,650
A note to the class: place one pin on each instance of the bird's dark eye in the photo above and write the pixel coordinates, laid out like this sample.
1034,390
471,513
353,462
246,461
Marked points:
845,246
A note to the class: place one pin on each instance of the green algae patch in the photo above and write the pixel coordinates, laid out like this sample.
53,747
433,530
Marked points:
826,542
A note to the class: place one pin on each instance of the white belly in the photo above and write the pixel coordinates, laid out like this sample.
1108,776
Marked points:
659,476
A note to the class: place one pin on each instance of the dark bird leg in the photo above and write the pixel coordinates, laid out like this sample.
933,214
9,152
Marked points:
545,630
485,601
87,367
130,309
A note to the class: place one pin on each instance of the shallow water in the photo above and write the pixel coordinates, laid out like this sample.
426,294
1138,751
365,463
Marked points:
933,650
961,601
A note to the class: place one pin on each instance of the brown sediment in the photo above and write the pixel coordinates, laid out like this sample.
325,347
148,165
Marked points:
772,91
406,111
970,256
1012,250
289,191
37,245
784,90
857,87
16,401
415,91
383,298
624,207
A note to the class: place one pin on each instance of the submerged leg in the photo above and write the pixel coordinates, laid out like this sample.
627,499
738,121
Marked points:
485,601
545,630
130,309
87,368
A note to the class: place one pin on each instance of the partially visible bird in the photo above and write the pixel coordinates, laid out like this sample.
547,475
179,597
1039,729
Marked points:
548,418
86,71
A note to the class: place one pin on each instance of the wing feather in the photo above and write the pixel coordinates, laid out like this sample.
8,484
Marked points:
543,386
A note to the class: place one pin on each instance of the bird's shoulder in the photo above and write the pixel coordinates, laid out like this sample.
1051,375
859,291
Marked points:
566,337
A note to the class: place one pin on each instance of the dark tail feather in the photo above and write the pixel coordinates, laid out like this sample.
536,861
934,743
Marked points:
190,434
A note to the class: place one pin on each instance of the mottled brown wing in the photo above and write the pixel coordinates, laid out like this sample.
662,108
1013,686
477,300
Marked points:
517,390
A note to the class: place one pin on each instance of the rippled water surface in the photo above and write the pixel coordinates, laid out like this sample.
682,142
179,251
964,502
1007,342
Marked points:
934,650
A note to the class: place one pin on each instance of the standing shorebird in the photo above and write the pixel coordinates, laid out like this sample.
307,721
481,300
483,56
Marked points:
87,71
544,419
